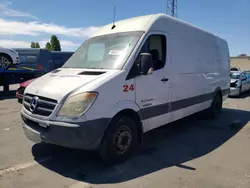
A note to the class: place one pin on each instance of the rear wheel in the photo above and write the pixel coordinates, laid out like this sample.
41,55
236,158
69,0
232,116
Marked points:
216,106
240,90
5,61
120,140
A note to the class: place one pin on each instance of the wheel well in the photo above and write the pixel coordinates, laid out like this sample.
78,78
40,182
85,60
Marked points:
7,56
218,92
134,115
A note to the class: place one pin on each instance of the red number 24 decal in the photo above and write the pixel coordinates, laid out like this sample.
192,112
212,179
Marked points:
127,88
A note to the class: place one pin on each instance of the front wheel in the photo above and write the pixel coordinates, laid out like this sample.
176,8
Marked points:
120,139
5,62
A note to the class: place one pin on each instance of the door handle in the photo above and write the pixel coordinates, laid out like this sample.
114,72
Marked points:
164,79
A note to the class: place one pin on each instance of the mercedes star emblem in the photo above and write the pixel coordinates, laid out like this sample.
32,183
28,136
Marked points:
33,103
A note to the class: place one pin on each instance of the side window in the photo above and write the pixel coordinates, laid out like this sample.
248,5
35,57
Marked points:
31,58
244,77
28,58
156,46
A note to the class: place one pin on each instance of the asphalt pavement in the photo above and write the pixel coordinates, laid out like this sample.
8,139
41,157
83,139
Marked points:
194,152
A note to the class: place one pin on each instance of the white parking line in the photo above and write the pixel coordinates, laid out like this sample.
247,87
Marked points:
23,166
81,185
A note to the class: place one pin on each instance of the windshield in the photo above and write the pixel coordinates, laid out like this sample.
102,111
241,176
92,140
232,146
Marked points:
235,76
104,52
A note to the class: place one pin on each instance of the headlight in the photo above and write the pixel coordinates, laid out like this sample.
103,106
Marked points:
77,105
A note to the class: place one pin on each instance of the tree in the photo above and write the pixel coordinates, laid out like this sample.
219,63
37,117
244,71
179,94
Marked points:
242,55
33,45
55,43
37,45
48,46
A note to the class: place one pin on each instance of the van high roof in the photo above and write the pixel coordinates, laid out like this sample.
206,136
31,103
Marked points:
151,22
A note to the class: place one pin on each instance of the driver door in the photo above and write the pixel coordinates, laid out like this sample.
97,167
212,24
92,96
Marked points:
244,82
152,90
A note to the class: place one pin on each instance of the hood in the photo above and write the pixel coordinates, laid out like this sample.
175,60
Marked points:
57,84
234,80
28,82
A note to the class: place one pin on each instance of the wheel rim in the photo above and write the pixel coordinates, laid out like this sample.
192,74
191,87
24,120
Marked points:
4,62
123,139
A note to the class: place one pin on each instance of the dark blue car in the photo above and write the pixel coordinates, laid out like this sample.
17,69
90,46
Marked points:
34,62
42,59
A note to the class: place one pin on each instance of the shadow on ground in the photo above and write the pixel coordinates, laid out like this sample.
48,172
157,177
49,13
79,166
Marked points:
164,147
242,96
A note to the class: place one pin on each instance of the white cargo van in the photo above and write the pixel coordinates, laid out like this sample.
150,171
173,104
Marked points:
127,79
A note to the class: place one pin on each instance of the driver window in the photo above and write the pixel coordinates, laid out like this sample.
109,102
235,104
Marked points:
244,77
156,46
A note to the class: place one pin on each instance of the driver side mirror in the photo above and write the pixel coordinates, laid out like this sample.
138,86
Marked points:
146,63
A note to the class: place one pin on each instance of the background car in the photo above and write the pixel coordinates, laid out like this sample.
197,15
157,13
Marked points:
239,83
20,90
235,69
41,59
248,74
8,57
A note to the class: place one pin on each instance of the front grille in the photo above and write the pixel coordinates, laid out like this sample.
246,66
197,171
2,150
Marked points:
233,85
44,106
20,90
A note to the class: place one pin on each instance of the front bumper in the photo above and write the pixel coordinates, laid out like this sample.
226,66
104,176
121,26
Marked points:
16,61
86,135
19,94
234,91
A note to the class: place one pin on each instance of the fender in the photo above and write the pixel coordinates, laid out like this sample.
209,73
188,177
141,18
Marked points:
12,53
122,105
218,89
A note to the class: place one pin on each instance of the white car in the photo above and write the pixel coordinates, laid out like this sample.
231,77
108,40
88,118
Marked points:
127,79
239,83
8,57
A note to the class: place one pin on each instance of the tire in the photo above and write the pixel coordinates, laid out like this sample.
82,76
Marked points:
20,101
240,90
5,61
120,140
215,107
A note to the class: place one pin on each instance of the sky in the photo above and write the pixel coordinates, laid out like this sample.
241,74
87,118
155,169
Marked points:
23,21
